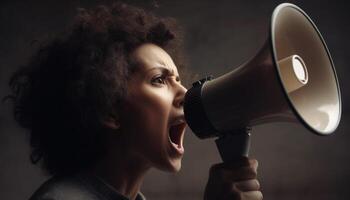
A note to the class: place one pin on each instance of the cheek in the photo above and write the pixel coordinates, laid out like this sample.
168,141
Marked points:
147,121
149,112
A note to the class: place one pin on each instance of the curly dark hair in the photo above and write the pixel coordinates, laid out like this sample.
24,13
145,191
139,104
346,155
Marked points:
79,78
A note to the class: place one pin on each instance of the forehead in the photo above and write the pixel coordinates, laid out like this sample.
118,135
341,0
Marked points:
150,56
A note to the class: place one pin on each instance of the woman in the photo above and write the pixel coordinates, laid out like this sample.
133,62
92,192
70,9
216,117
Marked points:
104,103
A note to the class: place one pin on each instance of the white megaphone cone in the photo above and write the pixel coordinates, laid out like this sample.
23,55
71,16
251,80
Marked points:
292,78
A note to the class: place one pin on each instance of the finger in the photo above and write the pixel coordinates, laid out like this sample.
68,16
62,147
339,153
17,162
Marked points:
240,174
242,162
239,162
252,195
248,185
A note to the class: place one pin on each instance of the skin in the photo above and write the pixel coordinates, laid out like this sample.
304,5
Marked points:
234,181
139,139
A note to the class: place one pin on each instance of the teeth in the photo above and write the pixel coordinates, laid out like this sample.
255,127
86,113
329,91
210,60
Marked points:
178,121
176,132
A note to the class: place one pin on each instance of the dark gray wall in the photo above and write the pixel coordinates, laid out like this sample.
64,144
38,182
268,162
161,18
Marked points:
294,164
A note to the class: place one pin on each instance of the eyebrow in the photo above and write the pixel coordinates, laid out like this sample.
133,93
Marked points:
164,69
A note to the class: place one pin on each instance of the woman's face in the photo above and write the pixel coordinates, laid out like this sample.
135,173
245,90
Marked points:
152,116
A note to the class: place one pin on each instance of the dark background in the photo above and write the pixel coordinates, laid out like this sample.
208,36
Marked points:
293,163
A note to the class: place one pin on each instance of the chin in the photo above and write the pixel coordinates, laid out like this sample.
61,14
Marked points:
172,166
176,167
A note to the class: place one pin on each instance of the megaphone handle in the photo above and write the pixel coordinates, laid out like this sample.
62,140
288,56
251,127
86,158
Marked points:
233,146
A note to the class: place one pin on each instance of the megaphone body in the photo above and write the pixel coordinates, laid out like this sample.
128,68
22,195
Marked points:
292,78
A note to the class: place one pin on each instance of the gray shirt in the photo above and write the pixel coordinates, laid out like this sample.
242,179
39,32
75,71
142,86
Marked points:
78,187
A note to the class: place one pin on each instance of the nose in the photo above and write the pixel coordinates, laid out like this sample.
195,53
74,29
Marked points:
180,96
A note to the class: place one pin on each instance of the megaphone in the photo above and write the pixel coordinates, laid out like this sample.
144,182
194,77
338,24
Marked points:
292,78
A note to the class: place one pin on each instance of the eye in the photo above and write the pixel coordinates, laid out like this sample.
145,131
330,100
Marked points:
158,80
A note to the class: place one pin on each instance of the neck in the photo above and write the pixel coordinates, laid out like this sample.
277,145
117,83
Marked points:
122,171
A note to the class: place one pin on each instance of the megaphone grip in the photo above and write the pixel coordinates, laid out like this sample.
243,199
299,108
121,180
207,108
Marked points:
233,146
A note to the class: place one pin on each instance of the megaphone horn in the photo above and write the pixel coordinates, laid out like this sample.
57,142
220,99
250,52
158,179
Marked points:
292,78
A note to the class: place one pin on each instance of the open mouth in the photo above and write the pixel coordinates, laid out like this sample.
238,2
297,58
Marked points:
176,134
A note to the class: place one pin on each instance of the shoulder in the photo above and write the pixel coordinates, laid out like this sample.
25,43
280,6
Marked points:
80,186
64,188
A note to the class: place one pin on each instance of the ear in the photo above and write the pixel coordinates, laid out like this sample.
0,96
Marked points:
111,122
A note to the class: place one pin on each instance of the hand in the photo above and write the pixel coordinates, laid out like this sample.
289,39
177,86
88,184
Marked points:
233,181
